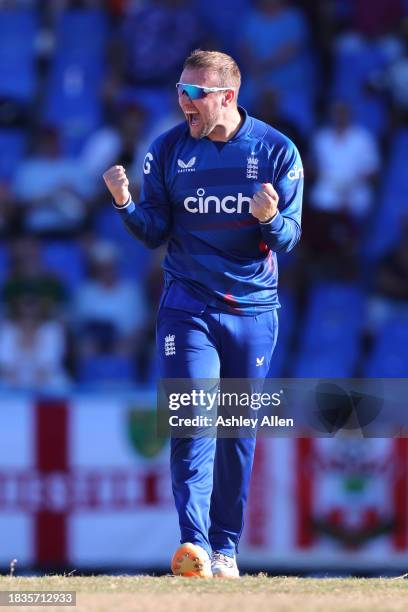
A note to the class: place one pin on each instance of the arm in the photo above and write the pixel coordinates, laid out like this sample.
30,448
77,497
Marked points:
149,220
281,228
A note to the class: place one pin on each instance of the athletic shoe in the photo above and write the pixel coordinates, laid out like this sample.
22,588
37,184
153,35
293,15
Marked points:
223,566
191,560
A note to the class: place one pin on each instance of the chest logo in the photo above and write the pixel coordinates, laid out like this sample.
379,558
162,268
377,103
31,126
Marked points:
212,204
252,167
186,166
170,345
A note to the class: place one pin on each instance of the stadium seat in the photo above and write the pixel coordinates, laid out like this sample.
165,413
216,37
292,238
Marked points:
323,365
153,373
364,58
135,257
331,306
333,322
371,112
386,225
157,102
393,202
81,33
396,177
12,149
297,108
65,258
4,263
18,30
389,358
106,368
350,84
286,327
72,100
219,21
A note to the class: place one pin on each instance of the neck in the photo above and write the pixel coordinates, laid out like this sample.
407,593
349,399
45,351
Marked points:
229,127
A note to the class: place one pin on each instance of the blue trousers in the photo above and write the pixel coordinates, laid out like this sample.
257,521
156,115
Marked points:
210,476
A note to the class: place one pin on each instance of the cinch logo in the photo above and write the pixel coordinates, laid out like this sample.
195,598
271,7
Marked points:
296,173
186,167
229,204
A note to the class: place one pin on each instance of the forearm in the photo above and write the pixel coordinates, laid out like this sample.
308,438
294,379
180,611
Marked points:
281,233
148,227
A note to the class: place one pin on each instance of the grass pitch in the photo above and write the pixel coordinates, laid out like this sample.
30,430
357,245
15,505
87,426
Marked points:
248,594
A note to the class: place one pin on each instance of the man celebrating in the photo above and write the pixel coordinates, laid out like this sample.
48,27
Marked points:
225,190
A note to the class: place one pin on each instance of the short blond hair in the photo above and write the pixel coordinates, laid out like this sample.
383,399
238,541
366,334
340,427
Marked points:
222,64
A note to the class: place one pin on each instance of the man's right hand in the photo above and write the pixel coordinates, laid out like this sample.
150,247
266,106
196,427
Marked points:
118,184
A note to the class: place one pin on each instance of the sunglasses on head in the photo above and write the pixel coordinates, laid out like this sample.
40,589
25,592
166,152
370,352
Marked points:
195,92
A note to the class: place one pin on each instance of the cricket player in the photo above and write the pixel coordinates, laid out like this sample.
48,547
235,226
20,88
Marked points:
224,190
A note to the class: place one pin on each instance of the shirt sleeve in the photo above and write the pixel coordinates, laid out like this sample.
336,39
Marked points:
283,232
150,219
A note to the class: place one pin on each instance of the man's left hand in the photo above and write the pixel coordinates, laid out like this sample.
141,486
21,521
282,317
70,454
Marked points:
264,203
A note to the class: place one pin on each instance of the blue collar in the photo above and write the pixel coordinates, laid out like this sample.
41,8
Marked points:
245,127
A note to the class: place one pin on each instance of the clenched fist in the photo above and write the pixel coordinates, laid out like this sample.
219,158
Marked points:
118,184
264,203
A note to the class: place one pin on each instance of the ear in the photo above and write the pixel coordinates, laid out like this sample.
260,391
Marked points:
228,97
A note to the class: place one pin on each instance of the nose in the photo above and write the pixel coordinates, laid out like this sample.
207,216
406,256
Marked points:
186,103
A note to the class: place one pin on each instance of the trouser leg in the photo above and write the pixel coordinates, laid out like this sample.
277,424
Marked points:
248,342
192,355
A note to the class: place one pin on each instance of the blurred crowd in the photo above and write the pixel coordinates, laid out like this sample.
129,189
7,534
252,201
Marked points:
85,84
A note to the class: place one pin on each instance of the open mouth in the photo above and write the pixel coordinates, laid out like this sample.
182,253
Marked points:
193,118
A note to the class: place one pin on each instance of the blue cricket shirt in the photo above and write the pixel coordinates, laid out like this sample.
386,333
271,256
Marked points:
196,195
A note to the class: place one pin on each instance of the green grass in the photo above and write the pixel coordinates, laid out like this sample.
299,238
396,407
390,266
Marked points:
250,593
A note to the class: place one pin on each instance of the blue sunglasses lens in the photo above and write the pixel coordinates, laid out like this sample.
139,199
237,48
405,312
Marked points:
193,92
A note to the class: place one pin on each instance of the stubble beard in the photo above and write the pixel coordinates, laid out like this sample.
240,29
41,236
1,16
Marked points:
206,128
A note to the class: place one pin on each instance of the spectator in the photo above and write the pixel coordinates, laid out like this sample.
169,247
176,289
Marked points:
108,311
117,142
346,161
393,78
32,348
154,40
359,60
276,54
51,189
28,277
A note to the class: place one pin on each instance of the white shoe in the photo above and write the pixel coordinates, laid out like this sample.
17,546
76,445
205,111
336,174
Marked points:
191,560
223,566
